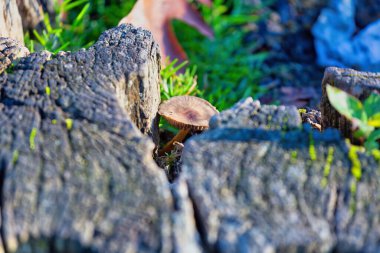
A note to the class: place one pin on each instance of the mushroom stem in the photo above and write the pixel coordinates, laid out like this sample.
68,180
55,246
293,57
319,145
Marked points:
180,136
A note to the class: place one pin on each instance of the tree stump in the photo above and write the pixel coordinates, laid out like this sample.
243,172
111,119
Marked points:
76,172
257,187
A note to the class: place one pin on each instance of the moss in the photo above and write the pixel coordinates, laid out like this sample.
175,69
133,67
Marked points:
353,187
69,124
356,168
324,182
10,68
376,154
312,151
327,168
293,156
47,90
329,160
301,110
15,156
32,138
353,190
356,171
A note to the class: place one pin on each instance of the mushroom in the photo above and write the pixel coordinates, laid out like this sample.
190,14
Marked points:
185,113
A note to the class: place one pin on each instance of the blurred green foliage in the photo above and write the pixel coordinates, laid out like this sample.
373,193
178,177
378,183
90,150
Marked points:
227,68
59,35
105,14
77,24
365,116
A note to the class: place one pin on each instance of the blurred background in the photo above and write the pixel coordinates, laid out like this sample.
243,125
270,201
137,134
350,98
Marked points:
275,51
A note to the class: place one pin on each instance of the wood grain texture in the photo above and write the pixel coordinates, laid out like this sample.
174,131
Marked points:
76,172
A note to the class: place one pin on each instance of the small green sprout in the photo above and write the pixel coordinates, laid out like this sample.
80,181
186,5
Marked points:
365,117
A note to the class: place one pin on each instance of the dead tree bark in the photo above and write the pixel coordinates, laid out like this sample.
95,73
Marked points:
258,188
10,51
20,16
76,172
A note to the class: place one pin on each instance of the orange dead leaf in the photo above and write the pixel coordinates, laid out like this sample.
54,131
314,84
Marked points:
155,15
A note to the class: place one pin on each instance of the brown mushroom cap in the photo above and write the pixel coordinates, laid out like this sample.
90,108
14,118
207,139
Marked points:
187,112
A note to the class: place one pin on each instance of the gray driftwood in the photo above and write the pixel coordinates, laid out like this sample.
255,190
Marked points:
359,84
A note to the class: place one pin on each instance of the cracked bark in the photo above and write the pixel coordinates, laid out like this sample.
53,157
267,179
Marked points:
73,159
287,200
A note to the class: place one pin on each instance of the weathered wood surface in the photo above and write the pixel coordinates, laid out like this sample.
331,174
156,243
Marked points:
248,113
76,172
259,189
10,51
10,21
359,84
